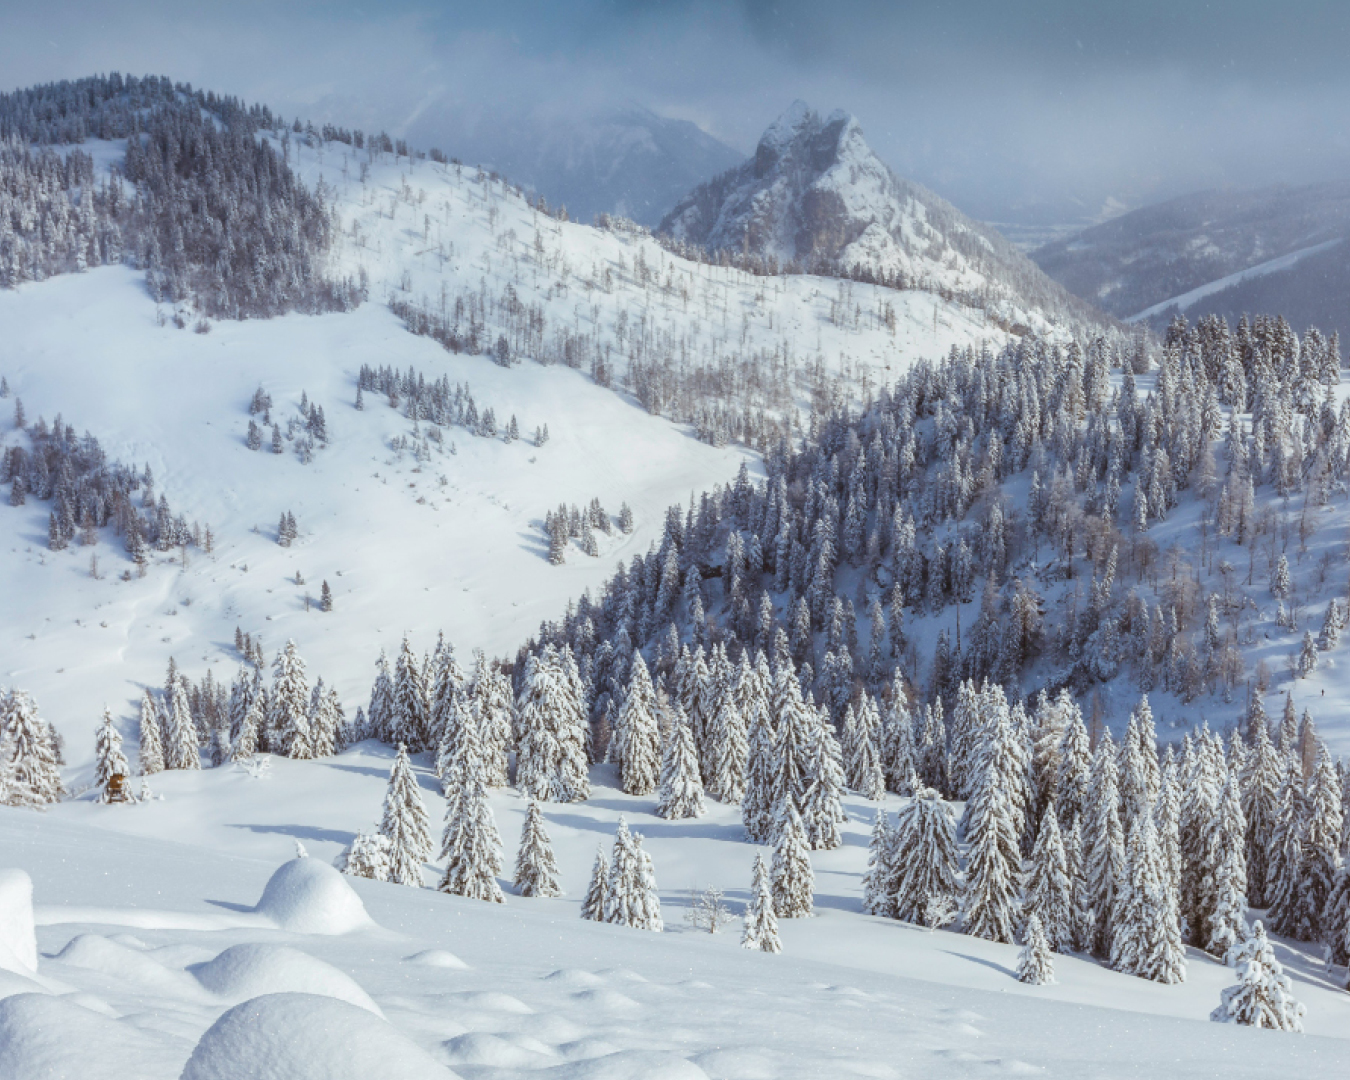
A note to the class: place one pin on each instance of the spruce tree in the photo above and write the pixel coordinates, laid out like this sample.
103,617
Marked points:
366,856
181,745
636,740
878,884
1104,866
1080,905
924,861
760,929
109,761
993,829
794,881
1288,908
380,713
405,824
536,869
1321,840
1261,779
1264,995
596,902
246,745
1227,922
551,759
470,843
290,721
411,706
822,805
681,788
761,770
29,775
1147,937
1048,890
1036,961
730,745
631,898
151,751
1073,780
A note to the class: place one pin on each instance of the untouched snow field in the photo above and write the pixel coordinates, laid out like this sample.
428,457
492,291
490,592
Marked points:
154,920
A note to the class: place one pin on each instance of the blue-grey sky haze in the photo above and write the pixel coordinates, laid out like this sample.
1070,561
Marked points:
1014,110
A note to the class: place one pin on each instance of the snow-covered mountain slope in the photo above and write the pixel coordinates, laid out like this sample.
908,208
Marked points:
450,541
815,194
627,161
135,904
1142,263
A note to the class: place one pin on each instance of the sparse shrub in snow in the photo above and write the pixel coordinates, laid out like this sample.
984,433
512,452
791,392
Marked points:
706,910
536,868
405,823
1264,995
760,927
1036,962
366,856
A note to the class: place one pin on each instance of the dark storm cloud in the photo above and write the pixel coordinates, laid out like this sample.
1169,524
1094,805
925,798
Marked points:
1011,109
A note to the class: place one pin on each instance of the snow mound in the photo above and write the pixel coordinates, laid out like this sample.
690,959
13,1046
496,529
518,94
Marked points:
54,1039
481,1048
582,1049
308,896
12,983
18,938
630,1065
583,980
128,966
307,1037
610,1000
741,1063
251,970
493,1001
437,958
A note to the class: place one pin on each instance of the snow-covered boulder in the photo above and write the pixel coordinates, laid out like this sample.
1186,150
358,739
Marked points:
251,970
52,1038
306,1037
308,896
18,938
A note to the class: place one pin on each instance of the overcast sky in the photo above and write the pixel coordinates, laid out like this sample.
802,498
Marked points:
1010,109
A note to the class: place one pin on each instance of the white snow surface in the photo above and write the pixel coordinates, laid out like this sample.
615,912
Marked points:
507,991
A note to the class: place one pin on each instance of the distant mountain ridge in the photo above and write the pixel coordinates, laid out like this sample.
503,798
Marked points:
1275,249
815,195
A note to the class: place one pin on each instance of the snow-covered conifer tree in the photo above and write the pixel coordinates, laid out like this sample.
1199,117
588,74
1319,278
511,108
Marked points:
924,859
151,752
794,881
181,745
1260,806
1264,995
1104,863
1227,923
405,824
878,880
1035,962
1074,778
596,901
29,775
761,768
470,843
1080,909
551,759
1147,939
109,761
492,695
681,788
536,869
1288,903
380,713
636,740
290,734
250,731
411,707
822,805
630,899
1322,828
729,738
993,828
366,856
760,930
1048,891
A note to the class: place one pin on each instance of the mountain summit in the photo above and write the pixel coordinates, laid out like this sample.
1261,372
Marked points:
816,195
